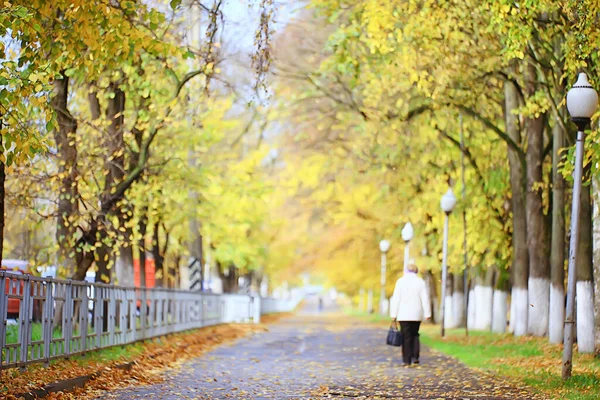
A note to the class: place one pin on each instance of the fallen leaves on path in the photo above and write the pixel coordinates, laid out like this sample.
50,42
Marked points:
320,356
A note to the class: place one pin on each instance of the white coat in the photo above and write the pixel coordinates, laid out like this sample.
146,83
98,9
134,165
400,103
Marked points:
410,301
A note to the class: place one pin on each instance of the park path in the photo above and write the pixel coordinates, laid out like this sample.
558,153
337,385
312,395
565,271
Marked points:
315,356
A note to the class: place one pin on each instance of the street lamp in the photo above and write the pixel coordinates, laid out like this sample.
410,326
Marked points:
582,101
384,246
448,202
407,235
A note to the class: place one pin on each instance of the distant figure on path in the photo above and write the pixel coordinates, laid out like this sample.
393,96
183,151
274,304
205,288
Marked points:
320,303
410,305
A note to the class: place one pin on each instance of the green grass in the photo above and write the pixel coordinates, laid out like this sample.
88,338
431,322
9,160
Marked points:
532,361
478,352
116,353
119,352
12,332
370,317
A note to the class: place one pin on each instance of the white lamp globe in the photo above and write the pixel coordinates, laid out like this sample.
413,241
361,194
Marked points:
384,246
448,201
407,232
582,99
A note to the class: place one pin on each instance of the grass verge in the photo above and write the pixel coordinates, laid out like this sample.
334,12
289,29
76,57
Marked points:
370,317
149,358
529,360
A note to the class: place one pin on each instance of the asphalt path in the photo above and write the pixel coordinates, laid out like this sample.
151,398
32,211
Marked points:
315,355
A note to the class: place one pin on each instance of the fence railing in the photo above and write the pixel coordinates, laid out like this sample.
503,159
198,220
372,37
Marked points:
59,318
270,306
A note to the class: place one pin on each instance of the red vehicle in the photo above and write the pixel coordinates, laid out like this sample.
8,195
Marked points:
150,278
18,267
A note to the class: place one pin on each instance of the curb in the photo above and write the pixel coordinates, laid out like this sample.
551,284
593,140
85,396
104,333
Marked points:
68,384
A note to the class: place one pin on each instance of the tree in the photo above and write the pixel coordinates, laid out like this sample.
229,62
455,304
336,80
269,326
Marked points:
411,68
24,80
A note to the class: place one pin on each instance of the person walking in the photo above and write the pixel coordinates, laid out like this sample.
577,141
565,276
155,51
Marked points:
410,305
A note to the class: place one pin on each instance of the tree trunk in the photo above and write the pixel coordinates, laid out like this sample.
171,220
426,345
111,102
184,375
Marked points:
124,273
511,312
449,311
143,295
64,136
177,265
83,265
500,303
115,163
471,307
596,263
124,266
458,301
230,281
431,290
520,261
82,259
160,252
585,287
141,245
102,260
557,251
539,262
115,170
156,252
484,296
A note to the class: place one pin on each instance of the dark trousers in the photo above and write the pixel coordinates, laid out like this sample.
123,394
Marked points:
411,345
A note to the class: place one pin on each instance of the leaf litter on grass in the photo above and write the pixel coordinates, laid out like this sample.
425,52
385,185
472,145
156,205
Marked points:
527,360
149,359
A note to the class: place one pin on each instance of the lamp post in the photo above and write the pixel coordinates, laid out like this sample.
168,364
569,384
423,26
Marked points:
448,202
582,101
407,235
464,217
384,246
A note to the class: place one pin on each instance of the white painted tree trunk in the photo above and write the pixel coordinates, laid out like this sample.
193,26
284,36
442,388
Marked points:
499,313
361,300
437,318
557,314
458,306
472,310
596,258
539,306
483,309
511,320
585,316
449,320
521,306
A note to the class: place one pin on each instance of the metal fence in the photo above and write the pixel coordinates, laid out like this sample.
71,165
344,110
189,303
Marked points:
54,318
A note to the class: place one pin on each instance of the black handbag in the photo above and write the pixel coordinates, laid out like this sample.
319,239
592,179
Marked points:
394,336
